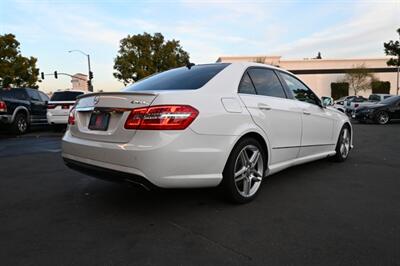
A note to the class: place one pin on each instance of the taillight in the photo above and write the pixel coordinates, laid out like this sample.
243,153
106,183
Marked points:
3,106
71,117
161,117
65,106
51,106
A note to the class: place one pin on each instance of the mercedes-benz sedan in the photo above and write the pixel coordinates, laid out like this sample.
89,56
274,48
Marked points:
227,125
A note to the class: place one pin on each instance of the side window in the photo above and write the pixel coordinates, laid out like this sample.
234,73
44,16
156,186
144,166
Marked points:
246,85
34,95
20,94
299,90
43,96
266,82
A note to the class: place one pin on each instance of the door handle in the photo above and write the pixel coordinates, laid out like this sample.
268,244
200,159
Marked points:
306,112
263,106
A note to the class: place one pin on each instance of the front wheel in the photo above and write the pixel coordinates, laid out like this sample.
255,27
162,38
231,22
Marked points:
343,145
244,171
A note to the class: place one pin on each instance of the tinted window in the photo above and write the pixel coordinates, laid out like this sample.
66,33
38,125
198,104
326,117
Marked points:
299,90
65,95
374,97
266,82
43,96
181,78
246,85
34,95
13,93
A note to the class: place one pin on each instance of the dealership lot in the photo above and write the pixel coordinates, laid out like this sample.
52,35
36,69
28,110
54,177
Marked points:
321,213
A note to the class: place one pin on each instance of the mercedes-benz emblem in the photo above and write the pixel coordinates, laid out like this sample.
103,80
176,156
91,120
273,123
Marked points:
96,100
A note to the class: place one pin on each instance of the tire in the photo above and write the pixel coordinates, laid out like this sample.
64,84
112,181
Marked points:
247,163
20,124
382,118
343,144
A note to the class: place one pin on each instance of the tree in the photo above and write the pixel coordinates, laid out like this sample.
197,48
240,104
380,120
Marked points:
15,69
359,78
142,55
393,48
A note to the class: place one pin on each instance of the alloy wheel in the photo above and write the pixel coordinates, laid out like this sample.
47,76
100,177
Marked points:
22,125
383,118
345,143
248,171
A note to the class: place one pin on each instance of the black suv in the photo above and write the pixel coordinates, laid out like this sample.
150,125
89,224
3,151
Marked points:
22,107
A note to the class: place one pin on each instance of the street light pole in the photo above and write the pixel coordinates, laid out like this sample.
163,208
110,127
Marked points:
90,74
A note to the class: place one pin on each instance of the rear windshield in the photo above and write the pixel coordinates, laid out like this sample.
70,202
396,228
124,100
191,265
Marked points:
181,78
65,95
374,97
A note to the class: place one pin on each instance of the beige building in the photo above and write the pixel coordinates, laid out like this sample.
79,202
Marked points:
79,82
318,74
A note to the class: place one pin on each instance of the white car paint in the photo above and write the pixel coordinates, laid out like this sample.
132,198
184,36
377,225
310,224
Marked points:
294,132
58,114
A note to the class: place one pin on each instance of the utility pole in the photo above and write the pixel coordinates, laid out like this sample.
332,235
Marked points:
90,73
398,69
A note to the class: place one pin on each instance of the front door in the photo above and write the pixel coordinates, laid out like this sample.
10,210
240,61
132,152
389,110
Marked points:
38,108
317,126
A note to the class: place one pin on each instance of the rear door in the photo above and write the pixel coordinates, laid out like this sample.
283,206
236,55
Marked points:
114,108
266,100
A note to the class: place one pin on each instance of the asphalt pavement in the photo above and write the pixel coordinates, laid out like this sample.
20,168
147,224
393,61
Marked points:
321,213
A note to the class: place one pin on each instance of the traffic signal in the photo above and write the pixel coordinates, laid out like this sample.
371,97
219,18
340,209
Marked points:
90,75
42,75
55,74
89,84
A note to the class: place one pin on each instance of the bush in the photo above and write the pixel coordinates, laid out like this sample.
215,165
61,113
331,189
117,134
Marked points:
380,86
339,89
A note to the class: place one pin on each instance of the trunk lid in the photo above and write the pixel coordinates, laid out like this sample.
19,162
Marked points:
117,105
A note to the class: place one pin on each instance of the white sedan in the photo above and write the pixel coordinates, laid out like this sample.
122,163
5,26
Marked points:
204,125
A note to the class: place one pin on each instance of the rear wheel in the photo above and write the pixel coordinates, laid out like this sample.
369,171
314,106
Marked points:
382,118
343,145
244,171
20,124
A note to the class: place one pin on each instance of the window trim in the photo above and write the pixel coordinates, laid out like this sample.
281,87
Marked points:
319,104
255,89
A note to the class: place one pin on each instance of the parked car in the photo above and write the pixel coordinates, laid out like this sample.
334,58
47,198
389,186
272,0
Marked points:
205,125
352,103
373,98
21,108
381,113
59,106
339,104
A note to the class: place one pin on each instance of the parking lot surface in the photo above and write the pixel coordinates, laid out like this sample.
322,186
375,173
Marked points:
321,213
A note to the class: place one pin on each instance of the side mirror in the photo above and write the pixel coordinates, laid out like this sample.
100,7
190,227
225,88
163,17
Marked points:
326,101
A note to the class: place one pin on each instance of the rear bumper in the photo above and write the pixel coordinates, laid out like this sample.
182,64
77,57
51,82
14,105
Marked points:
107,174
181,159
57,119
6,119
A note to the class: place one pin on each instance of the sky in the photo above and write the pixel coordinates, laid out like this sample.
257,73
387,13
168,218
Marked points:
47,30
